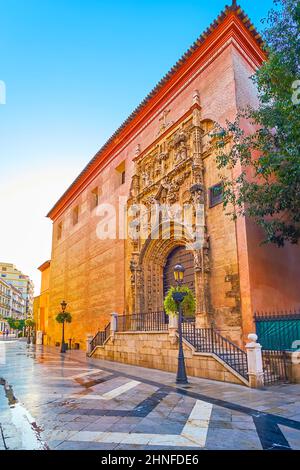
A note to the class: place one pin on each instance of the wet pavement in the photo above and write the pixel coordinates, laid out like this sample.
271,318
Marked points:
54,401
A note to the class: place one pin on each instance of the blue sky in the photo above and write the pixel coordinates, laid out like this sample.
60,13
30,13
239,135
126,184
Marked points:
74,70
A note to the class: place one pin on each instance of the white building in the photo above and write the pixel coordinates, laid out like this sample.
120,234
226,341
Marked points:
5,297
11,275
17,304
12,304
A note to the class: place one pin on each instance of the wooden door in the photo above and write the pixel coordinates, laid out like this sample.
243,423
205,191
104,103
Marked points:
179,256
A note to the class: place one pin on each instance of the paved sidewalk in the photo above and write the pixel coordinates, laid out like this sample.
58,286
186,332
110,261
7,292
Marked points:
49,400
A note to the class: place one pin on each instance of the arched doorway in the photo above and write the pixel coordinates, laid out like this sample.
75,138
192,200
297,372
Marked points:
152,274
180,255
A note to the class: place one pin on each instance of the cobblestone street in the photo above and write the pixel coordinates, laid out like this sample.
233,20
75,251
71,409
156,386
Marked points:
51,401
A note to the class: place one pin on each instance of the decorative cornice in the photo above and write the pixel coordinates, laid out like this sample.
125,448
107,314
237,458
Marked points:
232,23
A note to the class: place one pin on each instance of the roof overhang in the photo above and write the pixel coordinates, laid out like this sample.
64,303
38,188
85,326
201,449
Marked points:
44,266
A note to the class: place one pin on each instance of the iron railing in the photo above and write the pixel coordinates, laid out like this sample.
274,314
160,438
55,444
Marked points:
278,315
275,367
100,337
154,321
207,340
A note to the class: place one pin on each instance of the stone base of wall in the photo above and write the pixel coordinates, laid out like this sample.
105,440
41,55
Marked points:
293,367
157,350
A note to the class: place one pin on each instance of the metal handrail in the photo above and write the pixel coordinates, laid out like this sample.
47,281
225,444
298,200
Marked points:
210,341
100,338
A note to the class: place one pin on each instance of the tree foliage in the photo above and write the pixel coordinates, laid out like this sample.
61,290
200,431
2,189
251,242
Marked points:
64,317
16,324
267,188
188,304
30,323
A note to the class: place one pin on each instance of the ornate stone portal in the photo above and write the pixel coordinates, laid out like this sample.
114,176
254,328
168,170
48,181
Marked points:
168,182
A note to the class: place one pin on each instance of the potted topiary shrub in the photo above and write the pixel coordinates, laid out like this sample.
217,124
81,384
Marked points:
188,304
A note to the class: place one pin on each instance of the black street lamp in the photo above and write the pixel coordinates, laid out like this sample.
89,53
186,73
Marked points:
178,298
30,324
28,334
63,345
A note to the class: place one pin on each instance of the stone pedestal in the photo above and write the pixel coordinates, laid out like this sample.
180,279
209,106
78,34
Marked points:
89,338
255,364
113,322
113,325
39,337
293,366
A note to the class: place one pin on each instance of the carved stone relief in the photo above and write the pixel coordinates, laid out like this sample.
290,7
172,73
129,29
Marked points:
170,173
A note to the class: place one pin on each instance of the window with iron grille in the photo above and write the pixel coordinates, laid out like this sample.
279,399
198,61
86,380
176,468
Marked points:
216,195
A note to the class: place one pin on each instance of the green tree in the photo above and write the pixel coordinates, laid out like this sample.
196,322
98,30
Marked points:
11,322
16,324
30,325
267,189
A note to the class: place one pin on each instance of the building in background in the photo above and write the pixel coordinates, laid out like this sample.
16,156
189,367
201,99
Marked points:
12,304
4,304
11,275
41,304
17,304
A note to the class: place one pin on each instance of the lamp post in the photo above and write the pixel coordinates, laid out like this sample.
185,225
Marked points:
178,298
28,334
30,324
63,309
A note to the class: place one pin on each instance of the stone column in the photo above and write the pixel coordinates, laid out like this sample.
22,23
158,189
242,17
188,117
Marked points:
39,338
113,324
173,328
255,364
89,338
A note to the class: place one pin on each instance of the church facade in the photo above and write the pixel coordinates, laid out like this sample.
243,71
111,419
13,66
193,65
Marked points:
163,156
